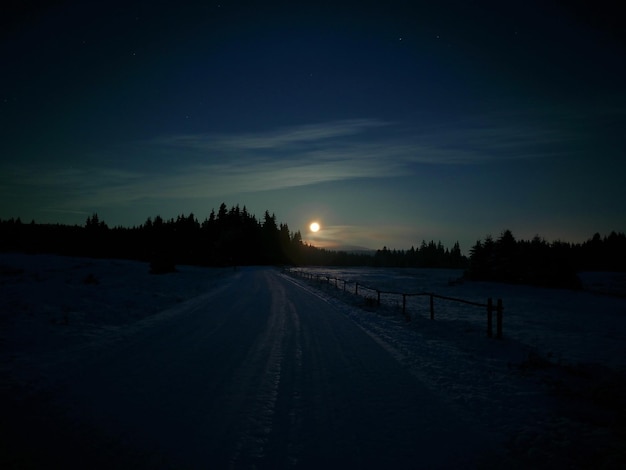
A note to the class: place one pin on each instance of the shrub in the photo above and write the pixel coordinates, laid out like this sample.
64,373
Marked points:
162,264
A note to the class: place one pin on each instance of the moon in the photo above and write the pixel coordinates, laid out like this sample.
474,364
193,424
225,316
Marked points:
314,227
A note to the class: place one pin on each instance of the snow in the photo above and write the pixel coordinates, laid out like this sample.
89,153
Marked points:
555,385
569,326
49,301
255,368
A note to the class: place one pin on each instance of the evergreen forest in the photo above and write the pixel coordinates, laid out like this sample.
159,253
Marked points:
233,237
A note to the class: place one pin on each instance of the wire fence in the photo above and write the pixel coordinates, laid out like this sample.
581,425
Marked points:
407,300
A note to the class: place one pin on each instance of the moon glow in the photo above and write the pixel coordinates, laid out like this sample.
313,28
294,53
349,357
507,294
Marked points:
314,227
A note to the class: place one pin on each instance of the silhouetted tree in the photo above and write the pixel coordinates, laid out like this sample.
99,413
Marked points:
534,262
271,253
236,237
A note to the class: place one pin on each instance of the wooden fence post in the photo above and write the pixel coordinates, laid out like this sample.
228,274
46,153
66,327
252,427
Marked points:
432,307
499,319
498,308
489,318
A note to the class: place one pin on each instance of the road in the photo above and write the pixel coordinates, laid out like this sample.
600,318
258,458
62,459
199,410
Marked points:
258,373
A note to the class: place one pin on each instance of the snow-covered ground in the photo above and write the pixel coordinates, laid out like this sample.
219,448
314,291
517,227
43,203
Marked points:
567,326
49,301
55,309
555,385
552,391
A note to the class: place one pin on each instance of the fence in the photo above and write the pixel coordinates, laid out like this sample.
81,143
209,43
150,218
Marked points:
492,308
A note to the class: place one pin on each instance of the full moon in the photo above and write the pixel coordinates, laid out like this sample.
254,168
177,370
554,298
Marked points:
314,227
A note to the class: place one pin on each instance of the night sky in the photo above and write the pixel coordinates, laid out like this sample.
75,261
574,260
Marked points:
387,122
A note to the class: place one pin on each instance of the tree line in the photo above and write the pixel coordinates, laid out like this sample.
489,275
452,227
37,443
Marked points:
227,237
236,237
427,255
541,263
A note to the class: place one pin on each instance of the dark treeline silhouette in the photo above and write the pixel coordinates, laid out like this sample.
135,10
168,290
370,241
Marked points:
236,237
541,263
431,255
225,238
228,237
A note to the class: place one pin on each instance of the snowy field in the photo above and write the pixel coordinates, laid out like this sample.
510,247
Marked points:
553,389
570,327
555,385
50,301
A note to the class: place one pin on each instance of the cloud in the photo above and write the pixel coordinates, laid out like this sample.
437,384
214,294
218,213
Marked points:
218,165
280,139
339,150
482,141
362,236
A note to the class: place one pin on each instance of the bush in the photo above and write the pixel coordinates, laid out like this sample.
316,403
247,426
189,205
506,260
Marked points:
162,264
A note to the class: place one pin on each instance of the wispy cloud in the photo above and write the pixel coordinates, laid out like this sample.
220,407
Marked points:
484,140
280,139
218,165
365,235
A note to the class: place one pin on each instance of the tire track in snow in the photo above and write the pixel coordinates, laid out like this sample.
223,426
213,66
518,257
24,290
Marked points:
258,380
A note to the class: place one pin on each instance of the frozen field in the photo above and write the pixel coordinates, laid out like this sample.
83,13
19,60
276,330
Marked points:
567,326
51,301
555,385
552,391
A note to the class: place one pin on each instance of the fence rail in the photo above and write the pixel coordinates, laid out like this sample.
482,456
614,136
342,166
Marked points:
491,308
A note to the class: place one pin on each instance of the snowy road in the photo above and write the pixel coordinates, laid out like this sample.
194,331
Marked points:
257,373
